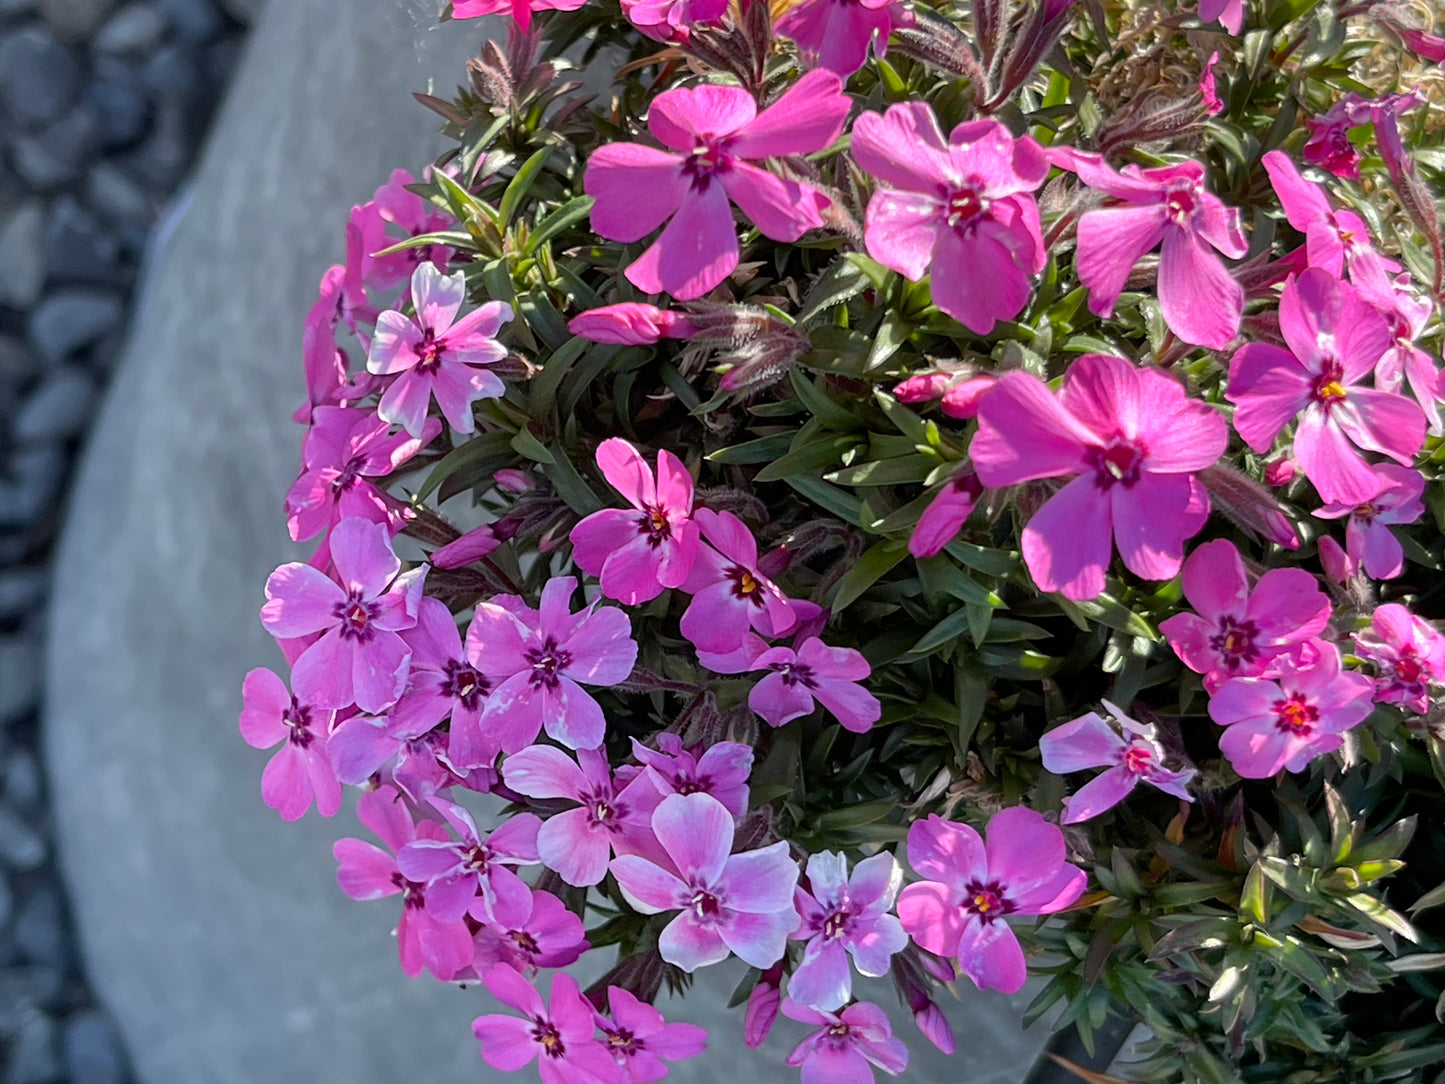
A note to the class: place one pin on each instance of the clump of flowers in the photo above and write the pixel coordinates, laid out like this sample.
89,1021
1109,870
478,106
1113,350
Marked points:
891,492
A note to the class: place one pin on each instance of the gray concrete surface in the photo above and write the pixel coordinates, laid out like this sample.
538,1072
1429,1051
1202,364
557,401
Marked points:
214,932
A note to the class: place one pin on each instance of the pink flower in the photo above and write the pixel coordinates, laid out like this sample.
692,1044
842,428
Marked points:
631,323
741,903
640,1039
1131,440
1208,88
945,515
1230,13
519,10
716,130
814,671
444,683
842,916
729,593
1334,341
455,871
393,204
837,33
366,872
1408,314
541,658
468,549
1236,632
322,361
360,658
846,1044
962,208
527,933
669,20
972,885
722,770
1284,724
638,553
559,1035
344,449
1338,566
300,770
1329,145
578,843
435,354
1200,300
761,1012
1090,742
1368,538
1408,656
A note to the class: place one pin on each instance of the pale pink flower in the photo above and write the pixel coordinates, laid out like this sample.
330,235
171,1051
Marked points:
815,671
729,592
945,515
721,770
520,10
1408,313
300,770
640,1040
1131,439
1368,538
631,323
558,1035
842,916
1230,13
1408,656
456,871
540,659
1130,757
444,684
638,553
393,204
738,903
578,842
846,1044
468,549
1236,631
837,33
435,354
360,658
1285,723
527,933
1166,207
960,208
972,885
366,872
761,1013
714,131
669,20
1334,339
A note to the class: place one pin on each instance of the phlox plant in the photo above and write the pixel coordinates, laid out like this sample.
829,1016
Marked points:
893,491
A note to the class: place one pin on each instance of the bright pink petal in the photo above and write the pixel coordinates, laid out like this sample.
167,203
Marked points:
781,209
544,771
574,847
991,956
805,119
685,117
941,850
1085,742
1111,241
902,228
648,887
1099,795
1025,433
1214,580
1331,462
1199,298
1152,519
932,915
300,600
365,872
266,701
688,944
286,784
697,833
697,250
760,881
1067,543
323,675
759,939
636,189
904,147
977,281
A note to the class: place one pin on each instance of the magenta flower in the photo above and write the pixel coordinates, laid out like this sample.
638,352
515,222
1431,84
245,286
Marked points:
578,843
1209,87
1408,656
715,131
527,933
842,916
559,1035
1334,341
761,1012
729,593
325,364
1286,723
360,658
444,683
1167,206
631,323
435,354
456,871
539,660
846,1044
640,1039
300,771
366,872
972,885
669,20
1368,538
1236,632
815,671
520,10
1329,145
1134,756
721,771
741,903
468,549
366,235
1131,440
637,553
962,208
1230,13
946,514
1407,314
344,449
837,33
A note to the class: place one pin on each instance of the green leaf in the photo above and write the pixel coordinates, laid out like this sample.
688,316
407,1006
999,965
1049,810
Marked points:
762,450
946,631
904,470
542,391
838,501
815,455
559,221
570,485
821,407
892,333
843,279
480,446
521,184
875,563
528,446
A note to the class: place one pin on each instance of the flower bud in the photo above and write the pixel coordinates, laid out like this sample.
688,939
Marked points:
469,548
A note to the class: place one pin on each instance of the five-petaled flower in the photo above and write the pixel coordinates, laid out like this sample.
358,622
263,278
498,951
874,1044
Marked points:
729,592
560,1034
846,1044
639,1039
301,769
814,671
1408,656
842,916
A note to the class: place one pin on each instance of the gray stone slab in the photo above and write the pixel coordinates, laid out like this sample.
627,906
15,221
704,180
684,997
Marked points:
214,932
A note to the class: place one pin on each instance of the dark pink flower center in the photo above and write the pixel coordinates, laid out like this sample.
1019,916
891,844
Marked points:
1234,642
547,663
348,476
708,158
526,942
796,673
462,682
967,204
298,720
413,893
603,811
683,783
836,924
548,1038
1118,462
477,859
1366,512
1138,759
356,615
1181,203
1296,715
746,585
705,906
839,1033
987,901
1407,668
1329,387
430,350
654,524
623,1043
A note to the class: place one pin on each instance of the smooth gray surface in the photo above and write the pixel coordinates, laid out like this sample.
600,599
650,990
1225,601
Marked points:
215,932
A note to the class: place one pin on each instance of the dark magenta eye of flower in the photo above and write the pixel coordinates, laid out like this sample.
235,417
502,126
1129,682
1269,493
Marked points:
1181,204
430,349
550,1039
794,673
525,941
705,905
966,204
1235,641
348,476
654,523
355,615
1296,715
624,1042
464,683
1138,758
1328,387
839,1030
746,585
476,859
547,663
835,925
987,901
413,893
1408,668
1119,461
706,159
